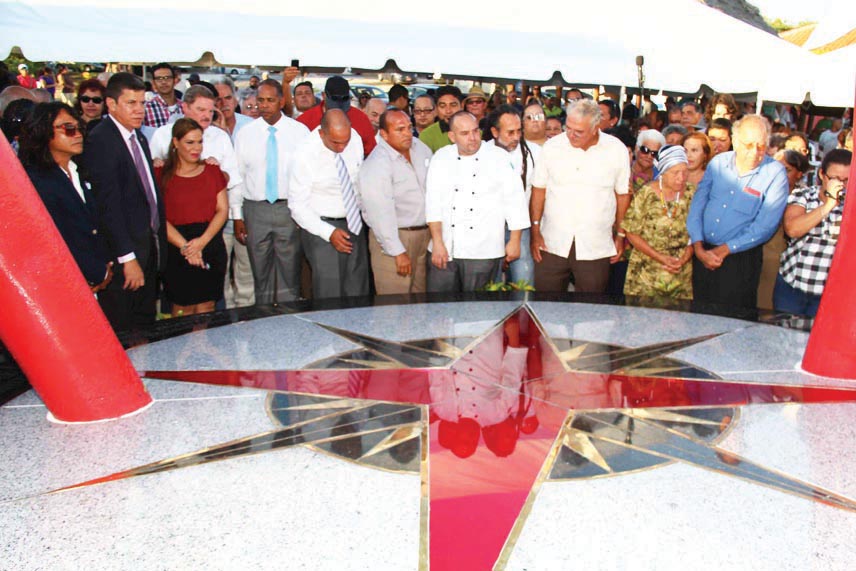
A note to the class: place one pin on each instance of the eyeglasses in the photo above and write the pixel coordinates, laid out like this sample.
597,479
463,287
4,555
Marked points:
476,102
88,99
164,78
70,129
646,151
422,111
535,116
339,97
253,107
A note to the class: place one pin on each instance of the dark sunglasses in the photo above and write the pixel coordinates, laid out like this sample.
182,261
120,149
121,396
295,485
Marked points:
87,99
71,129
645,150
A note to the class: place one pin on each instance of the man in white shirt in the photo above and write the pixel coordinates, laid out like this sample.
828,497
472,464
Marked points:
392,189
505,128
264,149
472,192
579,197
325,202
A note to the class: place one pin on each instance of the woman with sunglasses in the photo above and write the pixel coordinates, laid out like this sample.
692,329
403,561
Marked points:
196,210
656,226
642,171
50,140
90,104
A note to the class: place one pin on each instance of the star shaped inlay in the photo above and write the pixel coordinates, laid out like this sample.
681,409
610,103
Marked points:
487,420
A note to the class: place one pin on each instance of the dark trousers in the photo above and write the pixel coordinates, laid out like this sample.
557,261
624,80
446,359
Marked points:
789,299
273,245
462,275
554,273
734,283
335,274
128,310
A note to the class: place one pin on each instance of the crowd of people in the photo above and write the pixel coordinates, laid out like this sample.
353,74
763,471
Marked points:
266,194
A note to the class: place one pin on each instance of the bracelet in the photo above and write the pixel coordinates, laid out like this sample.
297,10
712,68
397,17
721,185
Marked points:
184,247
621,234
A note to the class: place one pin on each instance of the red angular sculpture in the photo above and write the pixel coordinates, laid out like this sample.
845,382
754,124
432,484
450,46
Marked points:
51,322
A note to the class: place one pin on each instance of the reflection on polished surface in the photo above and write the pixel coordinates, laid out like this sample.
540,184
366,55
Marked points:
486,420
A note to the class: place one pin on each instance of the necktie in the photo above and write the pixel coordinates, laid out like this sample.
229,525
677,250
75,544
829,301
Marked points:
271,167
349,197
139,162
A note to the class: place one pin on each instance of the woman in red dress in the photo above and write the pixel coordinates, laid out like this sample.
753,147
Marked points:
196,210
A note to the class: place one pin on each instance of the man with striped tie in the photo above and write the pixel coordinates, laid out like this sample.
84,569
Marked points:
324,201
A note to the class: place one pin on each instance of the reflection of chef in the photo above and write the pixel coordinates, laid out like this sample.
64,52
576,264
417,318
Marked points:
484,384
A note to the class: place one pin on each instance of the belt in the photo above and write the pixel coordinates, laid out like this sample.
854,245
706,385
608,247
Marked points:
328,219
414,228
277,201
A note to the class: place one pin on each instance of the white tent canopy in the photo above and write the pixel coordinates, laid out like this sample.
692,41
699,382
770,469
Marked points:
588,44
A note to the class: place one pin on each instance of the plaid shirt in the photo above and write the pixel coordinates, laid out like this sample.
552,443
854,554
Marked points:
805,262
158,112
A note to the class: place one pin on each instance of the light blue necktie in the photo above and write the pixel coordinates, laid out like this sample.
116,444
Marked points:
349,197
271,167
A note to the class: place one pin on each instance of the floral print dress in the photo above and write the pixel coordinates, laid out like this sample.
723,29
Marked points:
646,217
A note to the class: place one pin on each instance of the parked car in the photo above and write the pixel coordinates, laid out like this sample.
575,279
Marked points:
373,90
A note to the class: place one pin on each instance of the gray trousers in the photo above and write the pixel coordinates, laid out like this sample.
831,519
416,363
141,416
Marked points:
335,274
273,243
462,275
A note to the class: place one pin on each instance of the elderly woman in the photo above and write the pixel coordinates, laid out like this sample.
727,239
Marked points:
90,104
656,226
51,138
250,105
699,153
642,172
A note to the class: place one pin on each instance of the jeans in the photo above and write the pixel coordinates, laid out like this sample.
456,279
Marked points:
788,299
523,268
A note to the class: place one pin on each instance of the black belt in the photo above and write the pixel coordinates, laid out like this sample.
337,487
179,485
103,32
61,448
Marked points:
414,228
328,219
278,200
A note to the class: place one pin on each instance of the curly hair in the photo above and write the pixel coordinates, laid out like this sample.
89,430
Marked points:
722,99
38,132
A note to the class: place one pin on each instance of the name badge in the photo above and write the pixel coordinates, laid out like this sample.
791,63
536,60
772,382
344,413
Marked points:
752,191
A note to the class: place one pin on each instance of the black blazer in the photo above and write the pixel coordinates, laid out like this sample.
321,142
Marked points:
123,209
76,220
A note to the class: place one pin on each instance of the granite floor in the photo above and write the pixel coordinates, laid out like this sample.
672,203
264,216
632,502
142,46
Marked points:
506,434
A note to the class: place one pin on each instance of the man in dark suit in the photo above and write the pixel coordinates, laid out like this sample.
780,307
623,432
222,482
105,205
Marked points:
131,210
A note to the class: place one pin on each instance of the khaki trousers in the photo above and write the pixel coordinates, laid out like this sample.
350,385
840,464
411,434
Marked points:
386,278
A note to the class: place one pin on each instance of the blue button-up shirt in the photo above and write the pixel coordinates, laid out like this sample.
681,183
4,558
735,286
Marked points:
741,211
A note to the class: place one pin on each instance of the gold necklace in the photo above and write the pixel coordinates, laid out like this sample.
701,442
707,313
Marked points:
666,210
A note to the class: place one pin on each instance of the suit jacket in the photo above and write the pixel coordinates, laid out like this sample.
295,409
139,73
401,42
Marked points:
123,209
77,221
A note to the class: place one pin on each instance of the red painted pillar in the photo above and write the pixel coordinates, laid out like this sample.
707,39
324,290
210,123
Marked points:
50,321
831,349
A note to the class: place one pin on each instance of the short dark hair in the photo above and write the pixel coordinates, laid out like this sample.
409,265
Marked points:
720,123
448,90
273,83
836,157
614,112
398,91
15,116
382,120
304,84
688,102
162,65
123,81
35,137
796,160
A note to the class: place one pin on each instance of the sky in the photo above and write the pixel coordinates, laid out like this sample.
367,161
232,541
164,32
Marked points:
795,11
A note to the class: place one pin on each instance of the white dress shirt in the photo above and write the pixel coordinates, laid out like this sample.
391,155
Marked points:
393,192
126,135
74,177
314,189
580,201
251,149
216,144
516,157
474,197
